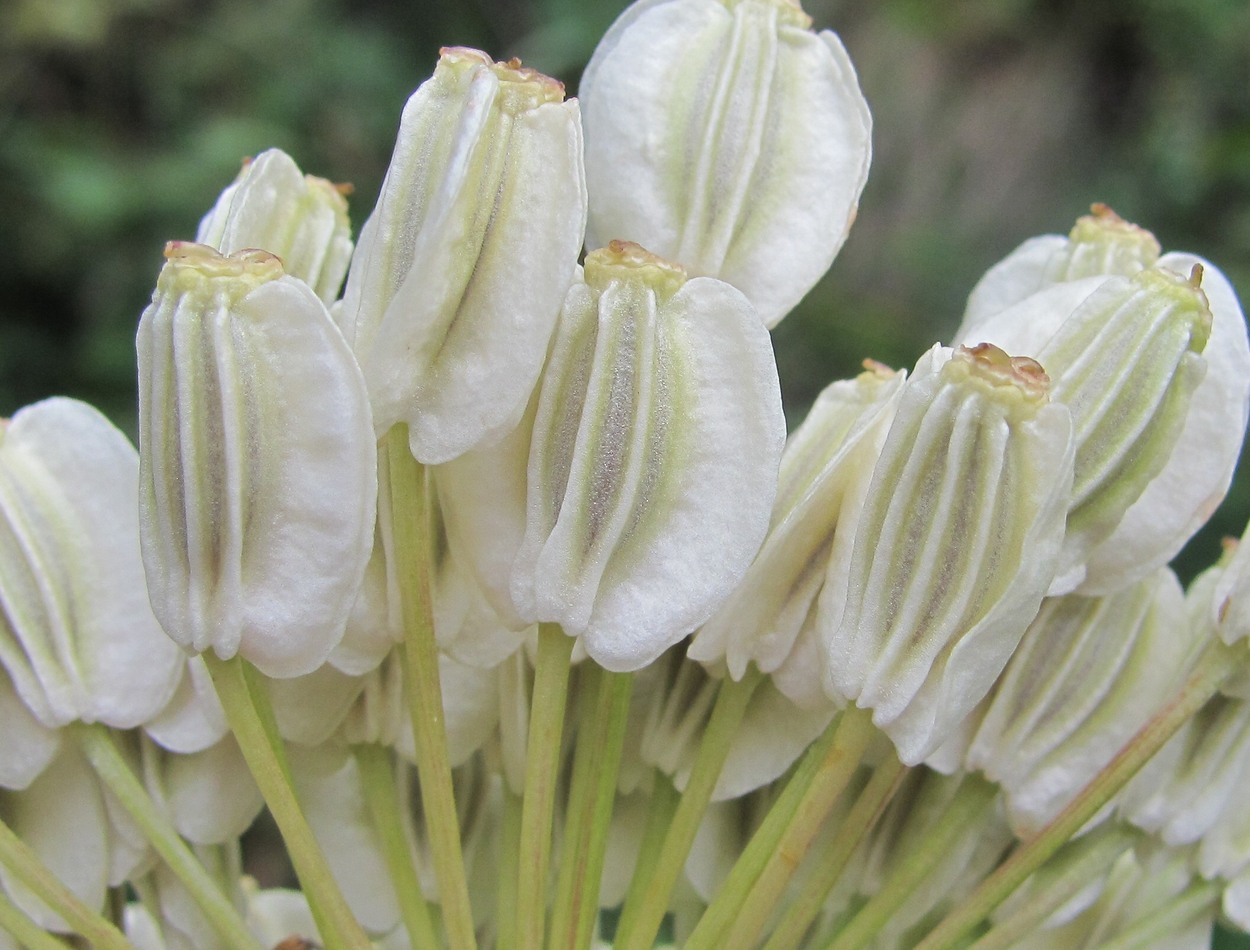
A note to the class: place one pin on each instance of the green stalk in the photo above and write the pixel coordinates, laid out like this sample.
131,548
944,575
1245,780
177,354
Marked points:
410,513
28,933
663,805
863,816
754,887
1086,859
382,799
1211,670
910,870
98,745
600,739
645,909
509,870
251,720
542,769
1197,899
17,856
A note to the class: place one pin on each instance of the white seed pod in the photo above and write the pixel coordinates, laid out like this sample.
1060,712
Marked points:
1023,303
653,462
258,471
460,271
728,137
836,446
1101,244
956,543
1087,675
77,638
299,218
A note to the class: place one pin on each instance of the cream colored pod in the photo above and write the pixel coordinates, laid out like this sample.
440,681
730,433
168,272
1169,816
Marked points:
258,477
1088,674
299,218
78,641
1151,351
727,136
654,456
831,453
460,271
955,545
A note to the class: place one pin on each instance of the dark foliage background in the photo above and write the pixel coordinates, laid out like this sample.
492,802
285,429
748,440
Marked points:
121,120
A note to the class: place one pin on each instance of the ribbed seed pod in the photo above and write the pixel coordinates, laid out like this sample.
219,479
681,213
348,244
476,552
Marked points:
258,477
728,137
460,271
653,461
954,547
299,218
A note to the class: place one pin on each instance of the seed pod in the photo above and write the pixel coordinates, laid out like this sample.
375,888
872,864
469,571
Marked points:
728,137
458,278
258,477
653,462
955,545
300,219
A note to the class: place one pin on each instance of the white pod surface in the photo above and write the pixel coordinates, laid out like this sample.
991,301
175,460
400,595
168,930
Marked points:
460,271
957,542
258,472
653,463
727,136
77,638
299,218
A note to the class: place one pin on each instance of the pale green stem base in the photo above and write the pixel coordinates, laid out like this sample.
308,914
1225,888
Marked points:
509,865
382,799
410,513
251,720
25,865
1211,670
660,810
98,745
965,810
645,909
1200,898
27,933
1086,859
800,913
542,769
754,887
600,739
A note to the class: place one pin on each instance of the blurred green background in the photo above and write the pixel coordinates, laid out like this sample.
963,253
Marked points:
121,120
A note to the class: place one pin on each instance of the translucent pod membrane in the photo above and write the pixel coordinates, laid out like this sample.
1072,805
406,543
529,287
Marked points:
258,476
653,463
460,271
299,218
956,543
729,137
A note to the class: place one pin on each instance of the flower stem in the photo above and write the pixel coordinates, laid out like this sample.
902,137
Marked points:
410,513
28,933
645,909
1199,898
251,720
753,889
382,799
1211,670
98,745
509,863
21,860
600,739
863,816
661,808
542,768
1075,865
